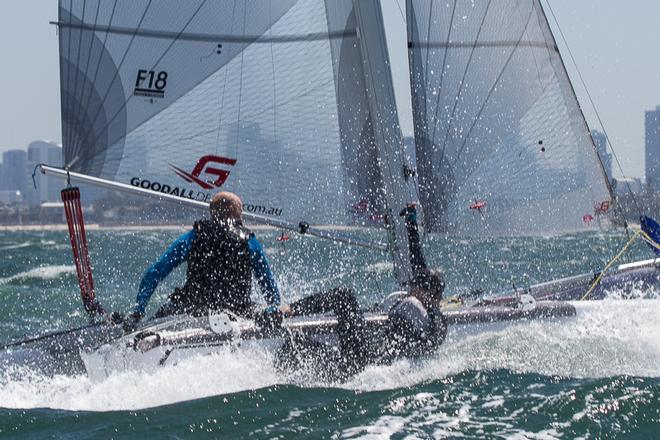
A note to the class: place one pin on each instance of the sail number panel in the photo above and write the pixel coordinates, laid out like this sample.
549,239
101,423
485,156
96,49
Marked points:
150,84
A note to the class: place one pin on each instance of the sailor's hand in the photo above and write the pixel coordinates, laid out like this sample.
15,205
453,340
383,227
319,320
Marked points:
286,310
131,321
409,212
113,318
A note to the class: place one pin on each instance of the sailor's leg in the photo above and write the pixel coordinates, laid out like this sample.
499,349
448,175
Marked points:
340,301
351,328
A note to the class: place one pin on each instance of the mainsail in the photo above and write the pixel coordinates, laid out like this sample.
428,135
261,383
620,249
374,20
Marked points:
264,98
288,103
501,143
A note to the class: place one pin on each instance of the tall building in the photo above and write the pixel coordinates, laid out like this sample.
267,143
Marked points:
601,147
15,170
48,188
652,131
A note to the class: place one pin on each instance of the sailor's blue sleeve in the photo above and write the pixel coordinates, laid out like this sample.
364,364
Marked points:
176,254
263,274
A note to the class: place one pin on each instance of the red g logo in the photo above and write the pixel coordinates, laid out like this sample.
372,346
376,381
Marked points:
206,173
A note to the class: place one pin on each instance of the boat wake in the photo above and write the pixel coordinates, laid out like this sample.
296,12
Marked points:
607,338
44,273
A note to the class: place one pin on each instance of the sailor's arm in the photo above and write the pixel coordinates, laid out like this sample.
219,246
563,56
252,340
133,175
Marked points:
417,260
176,254
263,274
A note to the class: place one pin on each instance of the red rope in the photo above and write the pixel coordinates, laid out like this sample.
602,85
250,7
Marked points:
76,224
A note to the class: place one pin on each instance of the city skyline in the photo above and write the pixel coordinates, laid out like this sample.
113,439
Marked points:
611,53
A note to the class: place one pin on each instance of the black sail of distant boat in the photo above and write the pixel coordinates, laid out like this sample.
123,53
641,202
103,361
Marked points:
502,146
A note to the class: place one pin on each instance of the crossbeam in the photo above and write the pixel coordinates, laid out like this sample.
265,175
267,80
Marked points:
302,227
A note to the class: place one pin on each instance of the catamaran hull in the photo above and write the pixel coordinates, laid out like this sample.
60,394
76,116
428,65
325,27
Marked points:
170,341
98,350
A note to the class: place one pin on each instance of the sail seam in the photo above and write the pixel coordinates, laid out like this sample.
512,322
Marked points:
317,36
442,77
96,73
490,94
462,45
462,82
114,78
68,129
89,56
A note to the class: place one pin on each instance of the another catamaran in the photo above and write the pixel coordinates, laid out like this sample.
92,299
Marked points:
290,104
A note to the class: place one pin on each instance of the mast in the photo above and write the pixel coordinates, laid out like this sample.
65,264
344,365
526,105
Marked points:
385,121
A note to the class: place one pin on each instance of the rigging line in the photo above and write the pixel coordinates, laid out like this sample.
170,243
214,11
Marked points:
536,63
462,83
224,85
272,62
593,105
490,92
79,100
262,111
401,11
428,41
240,84
96,73
442,77
123,106
71,97
114,77
65,104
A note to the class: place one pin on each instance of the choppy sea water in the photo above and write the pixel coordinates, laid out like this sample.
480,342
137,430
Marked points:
593,376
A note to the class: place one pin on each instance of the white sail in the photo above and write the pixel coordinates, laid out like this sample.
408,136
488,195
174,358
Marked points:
261,97
288,103
397,184
501,143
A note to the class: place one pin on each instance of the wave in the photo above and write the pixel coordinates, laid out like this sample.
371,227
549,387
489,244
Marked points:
16,246
606,338
43,273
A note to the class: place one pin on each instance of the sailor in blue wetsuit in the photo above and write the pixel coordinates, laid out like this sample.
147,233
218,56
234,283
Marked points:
222,255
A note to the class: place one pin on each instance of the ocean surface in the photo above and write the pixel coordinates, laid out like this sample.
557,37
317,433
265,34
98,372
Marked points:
593,376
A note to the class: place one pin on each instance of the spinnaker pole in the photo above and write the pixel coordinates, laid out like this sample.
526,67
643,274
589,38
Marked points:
302,227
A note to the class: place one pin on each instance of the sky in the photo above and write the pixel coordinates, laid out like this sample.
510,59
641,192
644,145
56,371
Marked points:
616,45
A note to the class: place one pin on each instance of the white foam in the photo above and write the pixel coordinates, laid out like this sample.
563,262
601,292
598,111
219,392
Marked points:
380,267
43,272
606,338
16,246
194,378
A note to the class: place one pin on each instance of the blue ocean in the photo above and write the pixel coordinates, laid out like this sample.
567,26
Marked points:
596,375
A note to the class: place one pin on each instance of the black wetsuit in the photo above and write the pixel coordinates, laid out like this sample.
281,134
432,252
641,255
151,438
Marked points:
404,334
359,343
219,273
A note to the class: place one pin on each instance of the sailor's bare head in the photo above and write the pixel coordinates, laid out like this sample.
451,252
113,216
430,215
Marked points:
226,206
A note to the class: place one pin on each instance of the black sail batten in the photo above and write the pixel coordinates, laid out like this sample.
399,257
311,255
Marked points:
217,38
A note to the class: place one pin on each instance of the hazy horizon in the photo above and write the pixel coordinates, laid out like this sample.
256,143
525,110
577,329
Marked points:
614,43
